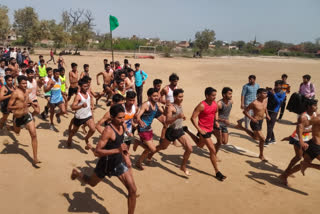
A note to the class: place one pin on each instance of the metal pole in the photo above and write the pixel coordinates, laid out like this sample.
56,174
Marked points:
111,46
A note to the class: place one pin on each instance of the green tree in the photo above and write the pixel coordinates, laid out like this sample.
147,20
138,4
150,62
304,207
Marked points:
203,39
58,35
26,24
240,44
273,46
80,35
4,22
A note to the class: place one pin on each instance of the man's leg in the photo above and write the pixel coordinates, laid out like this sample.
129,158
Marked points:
36,109
188,150
218,135
34,142
273,122
92,180
92,129
128,181
283,107
261,144
295,159
51,113
3,120
247,120
195,139
71,134
162,146
307,164
143,156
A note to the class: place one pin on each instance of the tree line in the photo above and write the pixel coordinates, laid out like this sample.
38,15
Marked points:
76,29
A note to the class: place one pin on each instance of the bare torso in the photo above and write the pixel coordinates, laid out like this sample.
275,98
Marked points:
107,77
73,79
316,129
21,102
259,109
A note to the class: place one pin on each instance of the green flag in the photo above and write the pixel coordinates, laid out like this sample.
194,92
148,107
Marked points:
113,22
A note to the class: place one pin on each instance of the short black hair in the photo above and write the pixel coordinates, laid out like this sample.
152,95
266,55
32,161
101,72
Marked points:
137,65
261,90
61,69
29,71
40,56
106,65
48,69
86,78
8,69
307,76
284,76
252,77
209,90
42,60
311,102
131,95
21,78
73,65
225,90
23,65
119,80
56,70
85,66
116,109
178,91
151,91
7,77
117,98
106,60
30,61
157,81
82,82
278,82
173,77
126,61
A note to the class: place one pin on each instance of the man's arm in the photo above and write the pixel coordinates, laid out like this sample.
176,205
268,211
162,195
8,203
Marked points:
302,123
144,76
3,91
243,94
140,113
49,86
99,124
75,103
163,94
97,77
312,90
195,115
12,101
246,112
170,118
106,135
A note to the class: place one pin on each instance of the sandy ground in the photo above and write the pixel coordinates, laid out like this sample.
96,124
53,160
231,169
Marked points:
251,186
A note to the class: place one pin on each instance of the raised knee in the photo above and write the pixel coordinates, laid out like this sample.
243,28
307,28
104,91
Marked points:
132,191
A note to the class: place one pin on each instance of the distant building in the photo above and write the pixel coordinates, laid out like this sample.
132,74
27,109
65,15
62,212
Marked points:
12,36
183,44
233,47
47,42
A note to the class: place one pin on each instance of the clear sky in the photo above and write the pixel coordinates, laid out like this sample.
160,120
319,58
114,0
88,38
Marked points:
292,21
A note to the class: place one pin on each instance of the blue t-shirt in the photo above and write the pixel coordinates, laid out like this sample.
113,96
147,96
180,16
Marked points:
249,92
279,98
140,76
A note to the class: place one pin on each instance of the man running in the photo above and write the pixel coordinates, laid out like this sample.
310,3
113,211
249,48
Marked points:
145,117
206,112
167,91
311,148
130,80
114,158
82,106
304,118
47,95
32,86
85,71
18,104
130,112
56,99
259,108
5,94
286,89
51,57
107,81
224,109
175,117
73,79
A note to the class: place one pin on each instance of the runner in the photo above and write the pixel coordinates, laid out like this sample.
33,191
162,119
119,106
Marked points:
145,117
18,104
64,87
259,108
113,156
303,119
167,91
107,81
5,94
130,80
140,77
120,88
41,70
286,89
157,85
224,109
32,86
61,62
175,117
311,148
47,95
73,79
14,67
82,105
56,99
85,71
130,112
51,57
206,112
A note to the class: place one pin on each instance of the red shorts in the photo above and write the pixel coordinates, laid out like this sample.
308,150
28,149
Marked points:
146,136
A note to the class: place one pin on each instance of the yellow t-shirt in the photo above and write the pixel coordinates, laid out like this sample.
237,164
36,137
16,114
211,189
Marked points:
63,83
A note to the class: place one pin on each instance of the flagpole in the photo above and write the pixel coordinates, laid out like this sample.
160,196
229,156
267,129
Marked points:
111,46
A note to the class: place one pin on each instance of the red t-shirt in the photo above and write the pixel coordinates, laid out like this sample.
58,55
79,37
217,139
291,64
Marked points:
206,117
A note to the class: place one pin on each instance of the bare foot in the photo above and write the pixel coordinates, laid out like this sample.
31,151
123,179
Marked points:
74,174
186,172
283,179
262,158
139,166
304,165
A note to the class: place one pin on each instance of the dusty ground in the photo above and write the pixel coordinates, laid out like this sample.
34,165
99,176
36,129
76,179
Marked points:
251,186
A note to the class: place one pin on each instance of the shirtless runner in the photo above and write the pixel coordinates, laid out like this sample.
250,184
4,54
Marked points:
73,79
107,80
19,104
259,108
5,94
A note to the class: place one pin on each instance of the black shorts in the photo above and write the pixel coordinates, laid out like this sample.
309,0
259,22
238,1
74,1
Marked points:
79,122
24,120
158,114
53,105
294,142
222,127
313,150
173,134
4,109
256,126
105,86
207,135
72,91
110,167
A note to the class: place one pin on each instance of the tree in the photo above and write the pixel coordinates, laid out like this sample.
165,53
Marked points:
203,39
80,35
218,43
58,35
273,46
240,44
4,22
26,24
